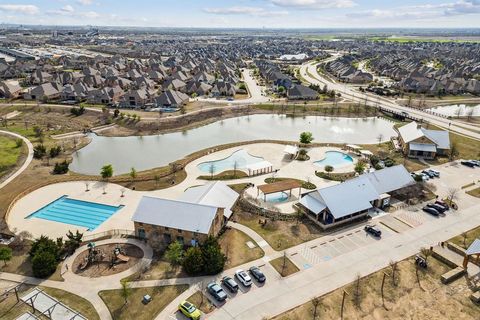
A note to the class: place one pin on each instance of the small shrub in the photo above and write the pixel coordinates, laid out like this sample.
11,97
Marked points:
61,168
39,151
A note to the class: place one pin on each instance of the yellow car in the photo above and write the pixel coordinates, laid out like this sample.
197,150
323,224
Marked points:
189,310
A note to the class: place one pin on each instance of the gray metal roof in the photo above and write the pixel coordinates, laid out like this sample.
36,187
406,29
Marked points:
175,214
440,137
390,179
355,195
474,248
423,147
216,194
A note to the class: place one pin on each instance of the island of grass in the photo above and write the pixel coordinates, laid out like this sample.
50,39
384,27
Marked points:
284,266
11,152
133,308
225,175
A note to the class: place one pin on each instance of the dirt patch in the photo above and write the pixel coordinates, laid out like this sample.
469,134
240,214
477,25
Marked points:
103,265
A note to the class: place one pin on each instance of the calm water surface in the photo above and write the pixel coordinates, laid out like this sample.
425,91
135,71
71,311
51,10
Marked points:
149,152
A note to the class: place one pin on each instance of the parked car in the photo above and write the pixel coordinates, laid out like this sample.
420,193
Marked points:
443,204
230,284
475,162
431,211
374,231
428,173
257,274
420,261
216,291
243,277
189,310
468,164
435,172
425,177
437,207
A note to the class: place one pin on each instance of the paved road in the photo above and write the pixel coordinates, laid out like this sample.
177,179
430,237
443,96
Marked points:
27,162
309,72
254,91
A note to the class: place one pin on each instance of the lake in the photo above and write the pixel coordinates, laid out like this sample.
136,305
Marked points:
149,152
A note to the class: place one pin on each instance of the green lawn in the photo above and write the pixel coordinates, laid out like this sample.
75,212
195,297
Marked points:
201,302
135,309
470,237
10,153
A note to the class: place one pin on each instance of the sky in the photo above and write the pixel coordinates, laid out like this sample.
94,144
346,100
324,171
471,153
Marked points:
246,13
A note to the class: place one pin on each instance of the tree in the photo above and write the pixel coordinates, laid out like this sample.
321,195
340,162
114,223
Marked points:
174,253
193,261
38,132
426,252
5,254
360,167
73,241
211,170
44,264
213,257
452,195
55,151
380,138
357,295
235,168
306,137
453,151
125,291
39,151
44,243
394,266
328,169
133,174
107,171
60,168
315,302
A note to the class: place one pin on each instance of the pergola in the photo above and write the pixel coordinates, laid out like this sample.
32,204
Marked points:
353,147
284,185
259,168
473,249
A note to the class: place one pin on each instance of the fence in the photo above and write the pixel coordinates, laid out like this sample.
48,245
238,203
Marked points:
120,233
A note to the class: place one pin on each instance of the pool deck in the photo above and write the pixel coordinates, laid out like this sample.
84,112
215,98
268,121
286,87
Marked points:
304,170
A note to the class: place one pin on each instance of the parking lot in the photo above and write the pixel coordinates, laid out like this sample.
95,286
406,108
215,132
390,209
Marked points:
266,268
329,248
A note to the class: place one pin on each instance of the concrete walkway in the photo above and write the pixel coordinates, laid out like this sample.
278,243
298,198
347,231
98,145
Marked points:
27,162
264,245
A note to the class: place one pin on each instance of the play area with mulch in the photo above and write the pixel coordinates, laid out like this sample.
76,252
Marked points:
105,260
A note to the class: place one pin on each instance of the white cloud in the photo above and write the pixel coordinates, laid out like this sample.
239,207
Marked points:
67,9
85,2
253,11
314,4
19,8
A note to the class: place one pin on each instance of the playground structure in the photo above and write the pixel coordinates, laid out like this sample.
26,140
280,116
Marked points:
118,256
94,255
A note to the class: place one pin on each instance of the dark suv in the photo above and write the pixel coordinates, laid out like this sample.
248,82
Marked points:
216,291
230,284
257,274
374,231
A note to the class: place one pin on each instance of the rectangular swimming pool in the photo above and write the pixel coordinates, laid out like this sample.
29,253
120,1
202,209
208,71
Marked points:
76,212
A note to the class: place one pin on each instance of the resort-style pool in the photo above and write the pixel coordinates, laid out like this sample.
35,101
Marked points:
335,159
458,110
149,152
76,212
277,197
241,157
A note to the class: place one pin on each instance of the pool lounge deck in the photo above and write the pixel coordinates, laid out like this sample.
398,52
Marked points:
32,202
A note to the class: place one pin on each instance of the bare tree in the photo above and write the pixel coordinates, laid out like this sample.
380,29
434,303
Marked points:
457,112
426,252
284,263
469,114
211,170
452,194
315,303
87,184
357,295
235,168
345,293
464,237
380,138
383,284
394,267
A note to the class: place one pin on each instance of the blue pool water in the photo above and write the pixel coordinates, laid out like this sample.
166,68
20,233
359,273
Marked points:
241,157
335,159
76,212
277,197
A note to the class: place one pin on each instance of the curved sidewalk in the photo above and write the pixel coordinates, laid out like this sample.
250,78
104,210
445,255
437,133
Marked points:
27,162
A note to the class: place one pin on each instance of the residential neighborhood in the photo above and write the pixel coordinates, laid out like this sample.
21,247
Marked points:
281,160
